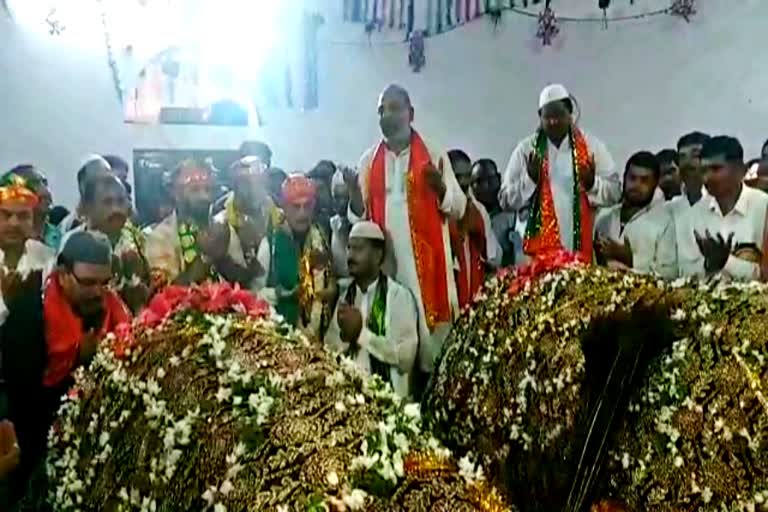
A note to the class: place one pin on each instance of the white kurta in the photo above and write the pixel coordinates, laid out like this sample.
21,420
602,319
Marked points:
398,347
37,256
747,222
517,188
400,262
688,254
651,235
493,251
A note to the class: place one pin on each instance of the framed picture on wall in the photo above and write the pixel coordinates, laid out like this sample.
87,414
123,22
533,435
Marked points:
153,198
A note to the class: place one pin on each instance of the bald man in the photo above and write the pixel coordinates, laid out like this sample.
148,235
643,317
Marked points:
407,186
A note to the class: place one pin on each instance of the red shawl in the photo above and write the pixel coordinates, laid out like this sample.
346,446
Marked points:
471,274
64,329
426,223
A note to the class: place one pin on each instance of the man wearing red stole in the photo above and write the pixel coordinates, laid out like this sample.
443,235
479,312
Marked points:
407,187
475,247
556,177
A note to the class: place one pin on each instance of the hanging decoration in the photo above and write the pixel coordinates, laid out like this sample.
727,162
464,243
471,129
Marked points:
55,26
683,9
604,4
548,26
416,57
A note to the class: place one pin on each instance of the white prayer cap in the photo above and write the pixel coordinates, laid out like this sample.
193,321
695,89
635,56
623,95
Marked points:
551,93
366,229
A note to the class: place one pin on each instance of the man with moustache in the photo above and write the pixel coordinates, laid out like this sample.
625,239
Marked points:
729,224
556,177
692,191
45,231
407,186
670,182
20,253
298,279
92,166
486,184
250,214
79,309
186,247
376,320
474,244
638,233
106,208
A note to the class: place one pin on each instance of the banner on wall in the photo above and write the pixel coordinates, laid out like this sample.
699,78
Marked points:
153,199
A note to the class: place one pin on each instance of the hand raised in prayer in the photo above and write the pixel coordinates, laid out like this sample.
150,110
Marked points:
214,240
533,166
435,180
588,174
614,250
350,323
715,250
9,449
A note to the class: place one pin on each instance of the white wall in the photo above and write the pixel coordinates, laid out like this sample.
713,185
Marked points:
640,85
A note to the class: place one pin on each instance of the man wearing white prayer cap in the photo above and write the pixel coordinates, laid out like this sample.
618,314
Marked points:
376,320
555,179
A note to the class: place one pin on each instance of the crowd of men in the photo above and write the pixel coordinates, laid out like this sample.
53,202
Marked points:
376,262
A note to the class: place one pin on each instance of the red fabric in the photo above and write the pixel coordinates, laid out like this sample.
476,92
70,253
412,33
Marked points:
426,223
472,232
208,298
64,329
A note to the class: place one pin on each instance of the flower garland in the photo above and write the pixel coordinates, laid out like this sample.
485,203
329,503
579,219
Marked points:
517,374
206,408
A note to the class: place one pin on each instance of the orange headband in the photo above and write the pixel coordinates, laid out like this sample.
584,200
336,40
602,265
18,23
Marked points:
298,189
14,190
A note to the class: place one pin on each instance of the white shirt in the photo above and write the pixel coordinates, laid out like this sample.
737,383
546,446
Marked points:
517,188
339,239
493,252
37,256
651,235
400,262
398,347
747,221
687,251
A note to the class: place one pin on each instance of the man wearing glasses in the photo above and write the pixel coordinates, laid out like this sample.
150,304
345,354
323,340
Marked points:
79,308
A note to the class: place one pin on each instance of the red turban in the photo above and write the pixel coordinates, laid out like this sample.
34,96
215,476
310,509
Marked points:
298,188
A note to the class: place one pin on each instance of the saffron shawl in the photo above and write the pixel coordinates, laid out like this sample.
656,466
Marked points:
426,225
64,329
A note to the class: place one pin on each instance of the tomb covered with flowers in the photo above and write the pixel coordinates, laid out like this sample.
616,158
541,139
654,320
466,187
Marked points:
581,387
209,402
